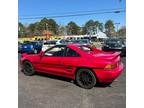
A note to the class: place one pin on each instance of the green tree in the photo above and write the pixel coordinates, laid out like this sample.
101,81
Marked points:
92,26
89,27
109,28
32,28
101,27
53,26
62,30
21,30
47,24
122,32
73,28
98,25
42,25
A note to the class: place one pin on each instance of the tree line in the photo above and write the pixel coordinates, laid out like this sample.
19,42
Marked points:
90,27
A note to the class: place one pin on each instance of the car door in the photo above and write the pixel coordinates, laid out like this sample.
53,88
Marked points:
70,62
51,61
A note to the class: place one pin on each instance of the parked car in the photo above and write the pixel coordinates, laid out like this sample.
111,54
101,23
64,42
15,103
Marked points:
114,44
82,41
37,45
26,48
83,63
48,44
60,42
19,47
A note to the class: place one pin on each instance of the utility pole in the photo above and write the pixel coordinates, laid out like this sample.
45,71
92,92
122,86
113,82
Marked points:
65,32
117,26
46,31
46,26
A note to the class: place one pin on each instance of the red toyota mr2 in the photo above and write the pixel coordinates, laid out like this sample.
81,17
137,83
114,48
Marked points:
83,63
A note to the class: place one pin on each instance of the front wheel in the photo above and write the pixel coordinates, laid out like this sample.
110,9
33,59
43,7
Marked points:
28,68
85,78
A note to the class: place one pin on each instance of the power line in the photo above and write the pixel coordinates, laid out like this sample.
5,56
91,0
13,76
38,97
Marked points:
71,12
73,15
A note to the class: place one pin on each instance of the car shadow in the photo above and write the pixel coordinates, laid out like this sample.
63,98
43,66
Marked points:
103,85
98,85
53,77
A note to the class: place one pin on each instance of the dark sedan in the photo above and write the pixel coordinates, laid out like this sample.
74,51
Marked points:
115,44
26,48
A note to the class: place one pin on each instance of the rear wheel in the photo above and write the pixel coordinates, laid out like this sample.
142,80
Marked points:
85,78
28,68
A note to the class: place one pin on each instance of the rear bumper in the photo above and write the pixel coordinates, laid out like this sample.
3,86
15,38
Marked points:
107,76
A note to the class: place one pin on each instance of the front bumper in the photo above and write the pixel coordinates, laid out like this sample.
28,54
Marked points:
107,76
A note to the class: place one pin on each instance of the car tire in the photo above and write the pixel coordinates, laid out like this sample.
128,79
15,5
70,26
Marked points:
28,68
85,78
123,53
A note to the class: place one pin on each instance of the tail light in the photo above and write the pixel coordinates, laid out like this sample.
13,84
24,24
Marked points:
110,66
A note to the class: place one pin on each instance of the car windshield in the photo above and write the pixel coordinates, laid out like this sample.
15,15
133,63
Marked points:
50,42
115,42
36,43
81,41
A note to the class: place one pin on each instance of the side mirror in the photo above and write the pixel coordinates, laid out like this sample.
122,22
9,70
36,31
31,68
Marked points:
41,53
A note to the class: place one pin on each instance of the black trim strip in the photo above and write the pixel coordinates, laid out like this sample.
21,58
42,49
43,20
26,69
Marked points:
66,66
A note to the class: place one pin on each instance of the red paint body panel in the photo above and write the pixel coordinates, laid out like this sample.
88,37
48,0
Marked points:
66,66
107,76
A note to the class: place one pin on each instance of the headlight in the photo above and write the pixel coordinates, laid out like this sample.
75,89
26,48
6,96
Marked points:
31,46
110,66
25,46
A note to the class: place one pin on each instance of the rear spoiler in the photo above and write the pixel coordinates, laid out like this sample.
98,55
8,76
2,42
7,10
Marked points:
115,54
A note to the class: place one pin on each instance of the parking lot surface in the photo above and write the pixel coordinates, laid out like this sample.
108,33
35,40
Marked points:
48,91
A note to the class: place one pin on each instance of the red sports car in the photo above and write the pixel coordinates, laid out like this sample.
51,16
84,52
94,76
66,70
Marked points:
83,63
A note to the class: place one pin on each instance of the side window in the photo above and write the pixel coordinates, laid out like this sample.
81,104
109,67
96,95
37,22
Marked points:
55,51
85,48
71,53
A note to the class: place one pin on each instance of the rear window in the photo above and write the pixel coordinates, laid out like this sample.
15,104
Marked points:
84,41
45,43
71,53
115,42
50,42
35,43
85,48
27,46
81,41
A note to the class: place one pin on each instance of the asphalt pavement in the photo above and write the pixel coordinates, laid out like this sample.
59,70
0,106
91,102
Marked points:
48,91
